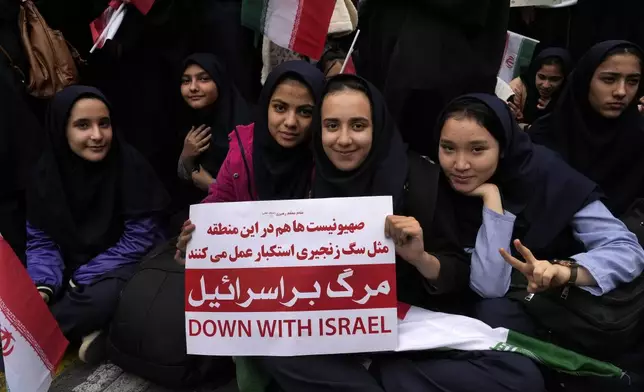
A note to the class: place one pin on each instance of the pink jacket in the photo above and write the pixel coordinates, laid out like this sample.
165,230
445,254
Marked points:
236,180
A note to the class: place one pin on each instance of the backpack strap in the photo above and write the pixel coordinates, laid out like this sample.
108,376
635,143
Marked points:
421,189
248,173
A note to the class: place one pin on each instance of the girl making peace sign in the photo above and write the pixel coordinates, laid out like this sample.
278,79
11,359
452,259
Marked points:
527,193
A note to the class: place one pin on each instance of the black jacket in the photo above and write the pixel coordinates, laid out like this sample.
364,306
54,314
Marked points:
424,53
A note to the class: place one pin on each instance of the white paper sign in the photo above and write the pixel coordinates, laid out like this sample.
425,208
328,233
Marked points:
542,3
294,277
529,3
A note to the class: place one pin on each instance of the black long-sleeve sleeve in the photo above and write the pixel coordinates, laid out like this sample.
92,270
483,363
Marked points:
454,274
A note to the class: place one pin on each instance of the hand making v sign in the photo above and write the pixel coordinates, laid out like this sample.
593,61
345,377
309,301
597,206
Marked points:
541,274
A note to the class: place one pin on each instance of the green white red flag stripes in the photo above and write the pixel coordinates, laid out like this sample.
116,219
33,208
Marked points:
299,25
517,55
421,329
112,18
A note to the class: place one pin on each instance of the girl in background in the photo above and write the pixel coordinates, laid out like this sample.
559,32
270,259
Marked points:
597,128
216,108
537,90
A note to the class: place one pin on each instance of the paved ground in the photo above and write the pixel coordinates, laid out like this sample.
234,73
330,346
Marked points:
110,378
75,376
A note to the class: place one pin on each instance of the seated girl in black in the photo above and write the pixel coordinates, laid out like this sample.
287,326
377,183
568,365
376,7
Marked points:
93,213
523,198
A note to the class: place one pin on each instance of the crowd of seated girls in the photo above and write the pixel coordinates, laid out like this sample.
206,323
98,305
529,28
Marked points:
539,207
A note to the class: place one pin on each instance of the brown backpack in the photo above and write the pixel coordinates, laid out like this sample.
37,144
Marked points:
51,60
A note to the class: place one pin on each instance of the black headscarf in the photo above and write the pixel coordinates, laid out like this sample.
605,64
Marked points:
82,205
536,185
530,110
223,116
283,173
608,151
383,172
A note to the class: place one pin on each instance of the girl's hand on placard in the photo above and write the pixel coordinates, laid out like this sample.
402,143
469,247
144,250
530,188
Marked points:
183,240
407,235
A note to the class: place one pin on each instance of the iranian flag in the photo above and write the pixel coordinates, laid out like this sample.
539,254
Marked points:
107,24
32,343
421,329
517,55
298,25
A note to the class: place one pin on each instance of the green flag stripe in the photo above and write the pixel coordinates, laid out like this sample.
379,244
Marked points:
253,14
524,57
557,358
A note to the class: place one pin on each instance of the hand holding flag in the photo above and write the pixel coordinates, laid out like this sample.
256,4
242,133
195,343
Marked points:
105,26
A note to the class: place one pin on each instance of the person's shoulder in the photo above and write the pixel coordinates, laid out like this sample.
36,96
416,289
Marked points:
540,130
242,134
240,148
422,164
423,174
543,121
421,188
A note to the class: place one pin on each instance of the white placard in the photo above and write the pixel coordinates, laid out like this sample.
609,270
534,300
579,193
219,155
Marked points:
545,3
264,277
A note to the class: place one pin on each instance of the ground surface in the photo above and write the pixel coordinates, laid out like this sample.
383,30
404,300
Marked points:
74,376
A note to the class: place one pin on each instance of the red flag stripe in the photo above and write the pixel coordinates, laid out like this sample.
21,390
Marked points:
27,312
311,27
18,326
143,6
100,23
349,67
403,309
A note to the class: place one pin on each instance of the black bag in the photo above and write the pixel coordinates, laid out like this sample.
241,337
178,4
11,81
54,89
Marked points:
602,327
147,334
634,219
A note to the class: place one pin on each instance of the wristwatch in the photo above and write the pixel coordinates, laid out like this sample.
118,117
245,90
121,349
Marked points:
572,264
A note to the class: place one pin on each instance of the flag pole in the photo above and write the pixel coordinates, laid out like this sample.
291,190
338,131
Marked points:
107,28
353,44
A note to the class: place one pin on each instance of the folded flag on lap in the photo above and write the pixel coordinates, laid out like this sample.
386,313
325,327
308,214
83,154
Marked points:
421,329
